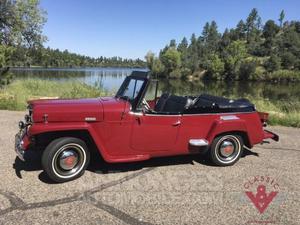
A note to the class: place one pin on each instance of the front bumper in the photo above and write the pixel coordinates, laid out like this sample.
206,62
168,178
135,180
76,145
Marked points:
22,143
19,145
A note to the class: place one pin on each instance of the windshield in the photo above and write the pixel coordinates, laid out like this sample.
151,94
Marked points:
130,89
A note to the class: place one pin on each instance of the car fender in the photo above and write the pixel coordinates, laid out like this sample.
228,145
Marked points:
40,128
220,126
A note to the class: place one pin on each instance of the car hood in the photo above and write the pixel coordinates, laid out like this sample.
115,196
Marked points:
67,110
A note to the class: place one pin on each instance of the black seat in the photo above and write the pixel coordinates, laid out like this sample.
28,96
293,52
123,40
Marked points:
161,102
172,103
175,104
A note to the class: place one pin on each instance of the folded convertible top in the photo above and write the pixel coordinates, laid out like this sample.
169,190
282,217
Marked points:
215,101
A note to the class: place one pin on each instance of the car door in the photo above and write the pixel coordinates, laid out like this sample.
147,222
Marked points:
154,132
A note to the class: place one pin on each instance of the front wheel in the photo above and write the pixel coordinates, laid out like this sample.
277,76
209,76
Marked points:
65,159
226,149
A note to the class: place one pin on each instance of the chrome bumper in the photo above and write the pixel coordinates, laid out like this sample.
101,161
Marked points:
18,145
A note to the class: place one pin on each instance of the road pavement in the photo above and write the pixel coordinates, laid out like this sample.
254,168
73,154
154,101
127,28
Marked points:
172,190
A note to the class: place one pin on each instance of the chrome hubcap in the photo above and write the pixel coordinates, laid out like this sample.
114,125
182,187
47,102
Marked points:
68,159
226,148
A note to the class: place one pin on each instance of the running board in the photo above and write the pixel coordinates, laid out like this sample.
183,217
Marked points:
198,142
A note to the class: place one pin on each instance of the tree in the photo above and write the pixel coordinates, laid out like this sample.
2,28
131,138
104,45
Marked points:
253,23
211,37
173,43
288,60
249,51
241,29
193,54
182,47
270,29
157,67
215,67
21,24
171,60
225,40
149,60
289,41
273,63
247,69
5,53
269,32
281,17
235,53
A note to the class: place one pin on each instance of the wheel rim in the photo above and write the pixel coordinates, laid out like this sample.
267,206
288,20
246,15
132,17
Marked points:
69,160
228,149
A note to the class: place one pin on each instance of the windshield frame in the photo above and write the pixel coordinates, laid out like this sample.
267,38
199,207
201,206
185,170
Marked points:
136,101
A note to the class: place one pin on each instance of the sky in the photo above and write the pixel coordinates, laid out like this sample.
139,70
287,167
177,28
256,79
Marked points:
131,28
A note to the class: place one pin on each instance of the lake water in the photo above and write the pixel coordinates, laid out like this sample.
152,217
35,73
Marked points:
111,79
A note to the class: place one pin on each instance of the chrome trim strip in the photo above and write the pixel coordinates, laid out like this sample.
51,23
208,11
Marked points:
136,113
196,114
206,114
173,115
146,114
90,119
229,117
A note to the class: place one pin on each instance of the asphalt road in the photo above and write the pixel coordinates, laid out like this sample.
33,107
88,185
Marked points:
174,190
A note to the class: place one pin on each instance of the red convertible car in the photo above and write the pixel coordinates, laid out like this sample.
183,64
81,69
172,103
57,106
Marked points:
127,128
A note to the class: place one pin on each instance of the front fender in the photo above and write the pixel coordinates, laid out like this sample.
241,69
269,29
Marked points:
40,128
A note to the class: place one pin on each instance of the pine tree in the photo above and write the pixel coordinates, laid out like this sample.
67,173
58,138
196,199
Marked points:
281,17
241,29
253,23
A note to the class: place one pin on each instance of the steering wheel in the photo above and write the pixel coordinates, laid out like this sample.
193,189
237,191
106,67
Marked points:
146,105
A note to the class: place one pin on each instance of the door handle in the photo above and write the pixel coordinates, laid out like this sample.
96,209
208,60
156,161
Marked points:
138,119
176,123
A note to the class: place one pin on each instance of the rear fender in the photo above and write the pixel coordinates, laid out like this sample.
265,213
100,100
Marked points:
220,126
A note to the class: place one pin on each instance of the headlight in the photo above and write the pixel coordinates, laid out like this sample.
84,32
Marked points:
21,125
27,118
30,109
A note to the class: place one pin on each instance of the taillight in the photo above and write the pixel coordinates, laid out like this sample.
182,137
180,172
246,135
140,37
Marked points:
263,118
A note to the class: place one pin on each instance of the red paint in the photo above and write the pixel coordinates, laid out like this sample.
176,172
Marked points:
123,133
123,136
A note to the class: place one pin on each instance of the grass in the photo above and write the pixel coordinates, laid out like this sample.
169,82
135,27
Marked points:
15,95
280,113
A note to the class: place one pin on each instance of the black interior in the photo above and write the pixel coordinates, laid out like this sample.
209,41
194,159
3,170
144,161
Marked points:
172,104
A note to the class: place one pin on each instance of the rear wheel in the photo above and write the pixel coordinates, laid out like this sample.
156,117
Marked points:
226,149
65,159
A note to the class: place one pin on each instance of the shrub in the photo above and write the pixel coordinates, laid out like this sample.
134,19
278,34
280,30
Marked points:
288,60
259,74
288,75
273,63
